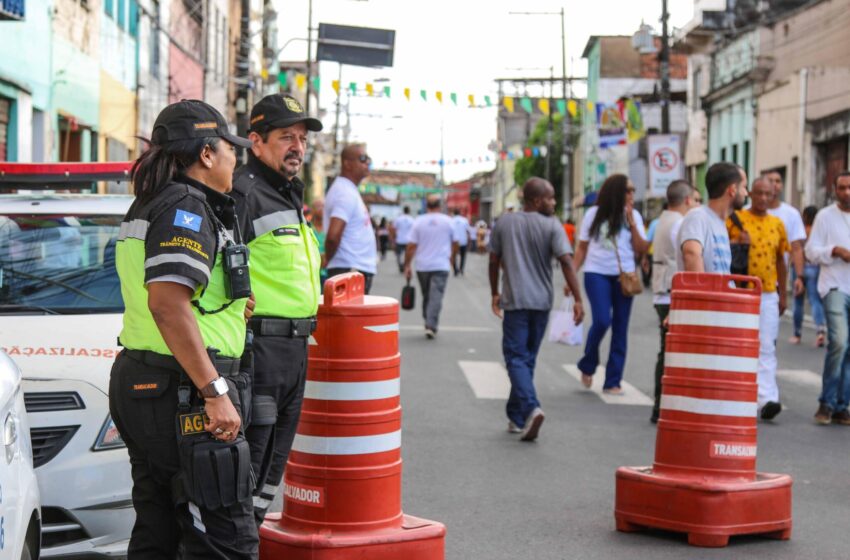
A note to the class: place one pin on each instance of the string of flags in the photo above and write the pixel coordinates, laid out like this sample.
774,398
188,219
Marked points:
517,153
510,103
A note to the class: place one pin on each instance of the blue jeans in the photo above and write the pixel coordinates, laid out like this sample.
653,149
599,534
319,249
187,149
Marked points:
812,271
522,333
609,308
836,368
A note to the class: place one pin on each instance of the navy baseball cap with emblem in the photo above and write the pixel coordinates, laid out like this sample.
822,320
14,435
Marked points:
189,119
280,111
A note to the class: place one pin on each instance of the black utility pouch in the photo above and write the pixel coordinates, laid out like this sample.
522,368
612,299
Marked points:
213,473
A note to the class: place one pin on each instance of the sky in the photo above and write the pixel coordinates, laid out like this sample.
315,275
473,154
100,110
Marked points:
458,46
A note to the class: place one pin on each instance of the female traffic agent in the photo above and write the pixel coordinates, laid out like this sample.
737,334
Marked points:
174,390
611,238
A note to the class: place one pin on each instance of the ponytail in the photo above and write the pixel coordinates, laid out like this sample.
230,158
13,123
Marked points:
161,163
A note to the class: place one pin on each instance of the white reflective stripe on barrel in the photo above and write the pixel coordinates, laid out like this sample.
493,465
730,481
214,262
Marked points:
352,391
734,364
720,319
382,328
709,406
356,445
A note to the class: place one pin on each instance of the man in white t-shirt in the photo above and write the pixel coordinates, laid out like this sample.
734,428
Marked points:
433,244
400,235
796,232
829,247
350,241
703,242
460,225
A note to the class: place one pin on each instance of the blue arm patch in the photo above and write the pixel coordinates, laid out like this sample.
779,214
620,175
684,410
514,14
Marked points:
188,220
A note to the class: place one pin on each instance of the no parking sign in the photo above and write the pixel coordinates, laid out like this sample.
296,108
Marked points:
665,162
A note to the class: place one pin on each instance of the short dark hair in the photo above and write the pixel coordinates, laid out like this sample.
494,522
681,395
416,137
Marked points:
407,209
845,173
720,176
678,191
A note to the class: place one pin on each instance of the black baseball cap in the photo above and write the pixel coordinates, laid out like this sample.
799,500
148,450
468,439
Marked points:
189,119
280,111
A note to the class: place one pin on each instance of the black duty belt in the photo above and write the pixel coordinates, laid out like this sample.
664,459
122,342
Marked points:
224,366
273,326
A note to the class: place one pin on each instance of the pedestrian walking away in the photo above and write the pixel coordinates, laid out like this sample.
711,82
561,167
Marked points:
522,246
284,268
611,239
703,241
794,259
768,244
177,392
460,224
680,199
431,250
829,247
383,233
400,235
811,271
350,242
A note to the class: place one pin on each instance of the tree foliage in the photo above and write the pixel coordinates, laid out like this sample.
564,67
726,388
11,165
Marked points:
535,166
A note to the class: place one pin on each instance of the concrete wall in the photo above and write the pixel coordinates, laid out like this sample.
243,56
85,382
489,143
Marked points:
731,124
216,55
185,69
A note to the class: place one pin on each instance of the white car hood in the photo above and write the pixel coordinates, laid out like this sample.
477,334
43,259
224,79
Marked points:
80,347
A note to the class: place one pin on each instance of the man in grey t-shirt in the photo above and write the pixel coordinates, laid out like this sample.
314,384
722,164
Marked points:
703,241
523,244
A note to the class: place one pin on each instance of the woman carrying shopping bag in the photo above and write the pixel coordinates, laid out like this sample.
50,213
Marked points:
611,239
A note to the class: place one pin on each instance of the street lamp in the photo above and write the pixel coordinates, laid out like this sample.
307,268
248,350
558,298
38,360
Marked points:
566,184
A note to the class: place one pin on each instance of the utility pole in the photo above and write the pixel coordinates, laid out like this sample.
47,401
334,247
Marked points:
243,68
566,145
664,59
308,160
549,126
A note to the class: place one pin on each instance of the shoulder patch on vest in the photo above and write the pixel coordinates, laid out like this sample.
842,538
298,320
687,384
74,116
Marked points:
188,220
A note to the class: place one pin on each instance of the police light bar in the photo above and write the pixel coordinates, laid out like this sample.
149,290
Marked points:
53,175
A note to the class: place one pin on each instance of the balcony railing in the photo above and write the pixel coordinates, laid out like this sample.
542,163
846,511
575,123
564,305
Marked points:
12,9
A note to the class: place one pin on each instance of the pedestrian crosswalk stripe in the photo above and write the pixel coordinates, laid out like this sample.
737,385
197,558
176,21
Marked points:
489,380
631,394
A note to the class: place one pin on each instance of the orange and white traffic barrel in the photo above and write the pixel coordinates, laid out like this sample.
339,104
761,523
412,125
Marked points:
704,480
342,483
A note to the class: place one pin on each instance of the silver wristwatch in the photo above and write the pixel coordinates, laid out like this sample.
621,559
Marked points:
216,388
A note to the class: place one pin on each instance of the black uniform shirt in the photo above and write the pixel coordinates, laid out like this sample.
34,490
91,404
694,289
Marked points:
183,236
260,191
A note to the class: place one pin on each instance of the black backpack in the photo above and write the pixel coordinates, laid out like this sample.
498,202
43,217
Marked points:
740,251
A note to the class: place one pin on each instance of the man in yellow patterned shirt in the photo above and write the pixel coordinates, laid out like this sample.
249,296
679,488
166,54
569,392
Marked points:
768,245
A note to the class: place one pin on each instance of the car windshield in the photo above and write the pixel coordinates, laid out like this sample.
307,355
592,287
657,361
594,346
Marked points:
59,263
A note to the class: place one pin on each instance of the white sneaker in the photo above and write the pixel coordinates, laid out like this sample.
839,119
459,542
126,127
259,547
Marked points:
532,425
430,334
513,428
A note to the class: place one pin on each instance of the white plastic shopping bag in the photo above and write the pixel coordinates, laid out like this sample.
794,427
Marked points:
562,329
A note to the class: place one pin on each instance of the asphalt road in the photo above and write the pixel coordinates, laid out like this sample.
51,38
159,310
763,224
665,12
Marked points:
553,499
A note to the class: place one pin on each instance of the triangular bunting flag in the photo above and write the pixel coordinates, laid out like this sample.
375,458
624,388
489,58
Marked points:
282,79
453,97
335,85
386,91
370,89
424,94
407,93
562,106
353,87
317,84
543,105
572,107
525,103
471,99
487,101
439,96
509,104
300,81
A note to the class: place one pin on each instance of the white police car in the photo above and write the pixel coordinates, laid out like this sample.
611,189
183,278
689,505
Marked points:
20,521
60,315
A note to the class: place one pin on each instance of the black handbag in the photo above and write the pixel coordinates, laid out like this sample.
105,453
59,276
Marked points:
740,251
408,297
